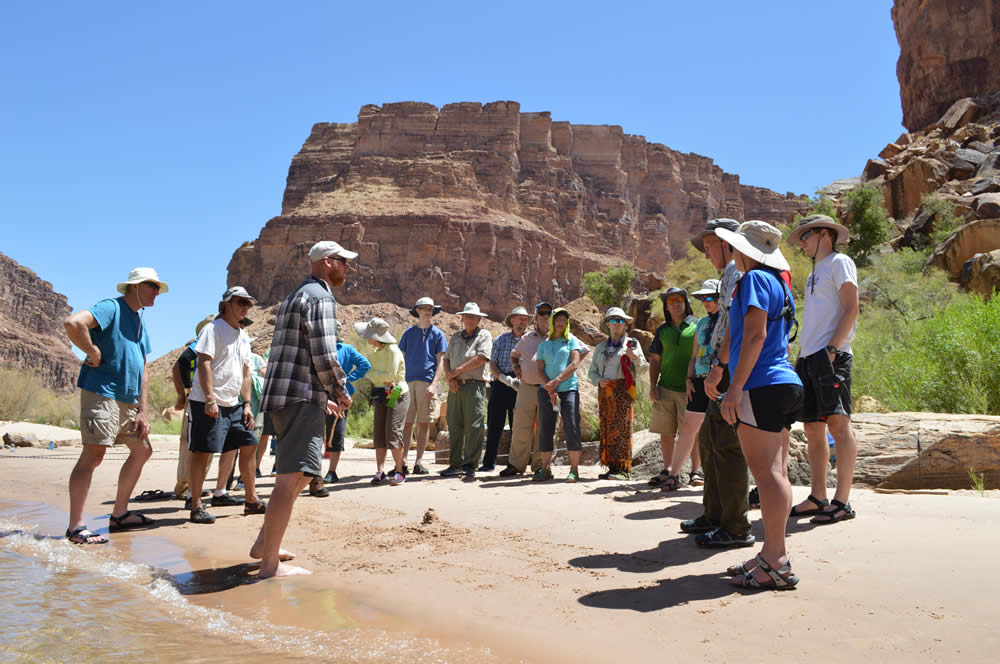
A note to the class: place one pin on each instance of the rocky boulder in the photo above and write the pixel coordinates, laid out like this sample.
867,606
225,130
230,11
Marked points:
981,273
981,236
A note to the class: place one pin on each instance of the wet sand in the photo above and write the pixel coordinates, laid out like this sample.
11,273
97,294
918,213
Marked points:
557,572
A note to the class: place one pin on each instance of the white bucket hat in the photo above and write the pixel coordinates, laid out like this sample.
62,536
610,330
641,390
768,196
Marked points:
424,302
238,291
139,275
472,309
815,222
517,311
376,329
321,250
708,287
617,312
757,240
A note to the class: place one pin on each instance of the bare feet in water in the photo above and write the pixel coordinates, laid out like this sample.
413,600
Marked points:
282,555
283,570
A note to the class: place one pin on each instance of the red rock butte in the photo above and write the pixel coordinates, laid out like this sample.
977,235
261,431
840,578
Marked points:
483,202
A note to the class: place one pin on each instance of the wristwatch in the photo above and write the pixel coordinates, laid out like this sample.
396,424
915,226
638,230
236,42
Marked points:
831,349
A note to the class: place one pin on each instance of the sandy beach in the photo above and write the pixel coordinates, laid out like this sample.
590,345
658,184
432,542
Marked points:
589,572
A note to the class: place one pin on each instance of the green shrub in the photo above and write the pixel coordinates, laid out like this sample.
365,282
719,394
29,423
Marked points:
868,222
945,219
361,416
25,398
160,395
609,287
165,427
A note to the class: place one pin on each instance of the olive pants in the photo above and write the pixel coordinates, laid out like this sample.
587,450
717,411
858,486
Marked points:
726,476
466,417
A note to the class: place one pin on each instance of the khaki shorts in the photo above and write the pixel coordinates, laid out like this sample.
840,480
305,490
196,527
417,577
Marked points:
668,412
104,421
421,408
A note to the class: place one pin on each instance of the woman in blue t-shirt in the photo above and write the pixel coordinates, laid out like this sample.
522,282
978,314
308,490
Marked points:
765,392
558,358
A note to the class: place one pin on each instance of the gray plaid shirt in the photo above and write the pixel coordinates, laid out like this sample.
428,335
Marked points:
303,363
730,277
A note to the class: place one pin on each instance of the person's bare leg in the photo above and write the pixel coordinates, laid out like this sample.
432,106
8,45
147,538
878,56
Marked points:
226,463
423,435
139,452
399,457
408,436
762,450
786,443
667,450
79,482
695,451
334,461
819,458
574,459
196,476
248,457
267,547
262,448
685,442
546,459
379,458
847,454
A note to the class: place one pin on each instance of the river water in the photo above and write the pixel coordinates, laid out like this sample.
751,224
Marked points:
145,598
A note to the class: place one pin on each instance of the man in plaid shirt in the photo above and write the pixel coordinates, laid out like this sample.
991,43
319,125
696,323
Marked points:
304,382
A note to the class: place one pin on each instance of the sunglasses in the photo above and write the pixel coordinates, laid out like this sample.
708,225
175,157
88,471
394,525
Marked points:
616,321
805,236
242,302
544,313
337,258
152,284
708,298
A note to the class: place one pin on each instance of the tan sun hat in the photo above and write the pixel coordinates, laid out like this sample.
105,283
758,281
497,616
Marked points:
757,240
139,275
516,311
376,329
816,221
472,309
202,323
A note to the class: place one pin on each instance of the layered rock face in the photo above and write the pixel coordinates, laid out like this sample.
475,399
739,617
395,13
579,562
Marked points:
949,49
486,203
31,332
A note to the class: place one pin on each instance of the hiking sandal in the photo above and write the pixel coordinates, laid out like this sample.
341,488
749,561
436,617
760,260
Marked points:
258,507
781,578
81,535
659,479
672,483
836,511
820,507
118,522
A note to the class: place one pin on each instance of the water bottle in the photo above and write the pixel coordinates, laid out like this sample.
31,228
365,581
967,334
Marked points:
52,444
394,396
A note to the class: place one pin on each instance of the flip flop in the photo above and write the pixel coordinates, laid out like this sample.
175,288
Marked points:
153,494
116,522
820,506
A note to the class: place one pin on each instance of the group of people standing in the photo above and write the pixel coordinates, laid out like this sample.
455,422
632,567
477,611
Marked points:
724,379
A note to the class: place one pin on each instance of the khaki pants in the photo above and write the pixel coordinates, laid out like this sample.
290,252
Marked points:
524,435
184,459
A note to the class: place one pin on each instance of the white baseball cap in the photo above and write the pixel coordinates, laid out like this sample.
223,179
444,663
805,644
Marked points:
325,248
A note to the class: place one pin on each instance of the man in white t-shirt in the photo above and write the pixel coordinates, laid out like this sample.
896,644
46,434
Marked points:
221,415
829,318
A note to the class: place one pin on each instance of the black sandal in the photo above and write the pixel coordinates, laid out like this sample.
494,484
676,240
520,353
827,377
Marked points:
118,522
820,506
672,483
837,511
781,579
153,494
660,479
81,535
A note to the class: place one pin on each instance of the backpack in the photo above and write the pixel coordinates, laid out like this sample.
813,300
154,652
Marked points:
787,309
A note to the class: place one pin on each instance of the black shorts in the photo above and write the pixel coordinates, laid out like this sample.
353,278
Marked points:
827,387
336,444
269,429
698,403
217,434
772,407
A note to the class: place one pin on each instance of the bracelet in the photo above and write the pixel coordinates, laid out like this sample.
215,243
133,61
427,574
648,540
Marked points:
210,403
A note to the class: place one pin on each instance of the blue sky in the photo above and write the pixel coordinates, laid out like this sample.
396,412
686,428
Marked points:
155,133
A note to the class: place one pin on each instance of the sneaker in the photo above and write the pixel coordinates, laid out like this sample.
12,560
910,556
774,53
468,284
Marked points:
699,525
510,471
259,507
225,500
316,488
418,469
619,475
721,538
379,478
486,469
187,503
542,475
573,476
397,479
331,477
406,469
450,471
201,516
469,473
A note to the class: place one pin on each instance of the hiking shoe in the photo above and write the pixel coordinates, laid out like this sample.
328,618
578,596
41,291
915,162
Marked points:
619,475
573,476
316,488
331,477
450,471
379,478
225,500
699,525
187,503
406,469
201,516
509,471
418,469
258,507
542,475
469,473
721,538
397,479
753,498
486,469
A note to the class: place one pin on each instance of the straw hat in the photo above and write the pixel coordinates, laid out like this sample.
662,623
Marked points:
708,287
472,309
376,329
757,240
816,221
139,275
517,311
425,302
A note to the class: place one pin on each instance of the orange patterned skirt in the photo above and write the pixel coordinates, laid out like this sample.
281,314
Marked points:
615,409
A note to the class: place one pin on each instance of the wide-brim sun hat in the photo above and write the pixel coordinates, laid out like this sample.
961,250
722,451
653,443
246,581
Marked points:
202,323
757,240
616,312
376,329
815,222
139,275
699,240
471,309
708,287
516,311
325,248
424,302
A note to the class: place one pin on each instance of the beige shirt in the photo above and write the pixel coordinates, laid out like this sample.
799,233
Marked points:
528,348
461,350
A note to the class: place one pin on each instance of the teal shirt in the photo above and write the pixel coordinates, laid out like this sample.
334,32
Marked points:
124,344
556,355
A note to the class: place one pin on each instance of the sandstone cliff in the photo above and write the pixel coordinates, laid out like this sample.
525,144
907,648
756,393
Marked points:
486,203
31,333
949,49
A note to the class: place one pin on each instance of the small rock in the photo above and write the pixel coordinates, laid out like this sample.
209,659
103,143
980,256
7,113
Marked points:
430,516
